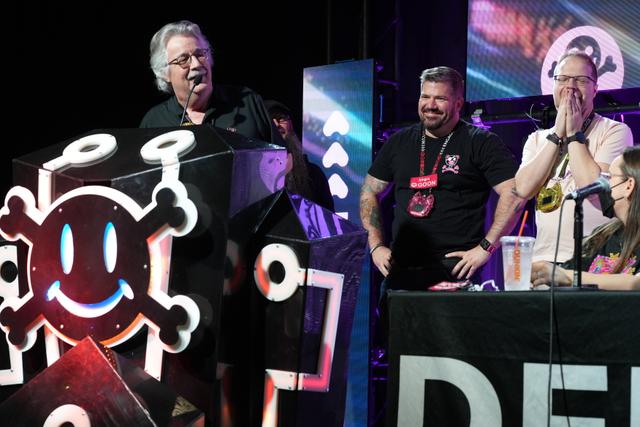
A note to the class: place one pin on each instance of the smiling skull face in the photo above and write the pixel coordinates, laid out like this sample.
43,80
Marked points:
90,261
90,265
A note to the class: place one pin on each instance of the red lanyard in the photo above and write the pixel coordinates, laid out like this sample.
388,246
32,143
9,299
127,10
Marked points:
423,153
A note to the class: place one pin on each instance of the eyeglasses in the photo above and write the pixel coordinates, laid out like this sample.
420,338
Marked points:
184,60
580,80
608,175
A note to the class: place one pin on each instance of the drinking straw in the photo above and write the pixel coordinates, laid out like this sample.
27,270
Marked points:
516,250
524,221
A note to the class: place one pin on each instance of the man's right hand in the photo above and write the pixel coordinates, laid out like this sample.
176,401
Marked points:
372,221
560,126
382,259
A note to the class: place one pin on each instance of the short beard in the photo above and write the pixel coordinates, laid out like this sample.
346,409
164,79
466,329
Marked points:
434,125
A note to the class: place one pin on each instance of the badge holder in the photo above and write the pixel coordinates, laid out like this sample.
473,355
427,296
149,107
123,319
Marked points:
420,205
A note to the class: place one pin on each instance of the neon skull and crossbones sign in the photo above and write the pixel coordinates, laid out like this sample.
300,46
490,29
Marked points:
90,266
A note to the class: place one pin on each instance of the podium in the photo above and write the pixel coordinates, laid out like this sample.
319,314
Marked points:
286,322
176,249
202,176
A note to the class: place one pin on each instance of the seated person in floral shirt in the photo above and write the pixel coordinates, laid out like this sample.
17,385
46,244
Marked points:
611,254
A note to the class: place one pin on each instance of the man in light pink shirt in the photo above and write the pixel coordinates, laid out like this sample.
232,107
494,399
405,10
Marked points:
572,154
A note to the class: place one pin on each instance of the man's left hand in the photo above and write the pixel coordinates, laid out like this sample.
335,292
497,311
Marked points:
471,261
574,113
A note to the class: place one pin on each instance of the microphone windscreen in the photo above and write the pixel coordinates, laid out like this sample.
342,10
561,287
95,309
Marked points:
604,183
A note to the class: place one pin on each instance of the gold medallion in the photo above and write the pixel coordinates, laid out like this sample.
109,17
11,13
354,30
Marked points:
549,198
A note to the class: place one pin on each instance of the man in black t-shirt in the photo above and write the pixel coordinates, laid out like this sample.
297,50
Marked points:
182,59
443,170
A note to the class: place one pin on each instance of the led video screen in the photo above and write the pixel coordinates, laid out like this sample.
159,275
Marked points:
338,136
513,45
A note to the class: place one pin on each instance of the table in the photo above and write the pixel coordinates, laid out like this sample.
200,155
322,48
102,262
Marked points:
481,358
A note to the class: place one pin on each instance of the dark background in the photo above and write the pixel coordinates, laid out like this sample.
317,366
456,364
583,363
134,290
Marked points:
72,68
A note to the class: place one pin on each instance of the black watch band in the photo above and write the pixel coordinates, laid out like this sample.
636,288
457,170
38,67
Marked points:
487,246
553,137
579,136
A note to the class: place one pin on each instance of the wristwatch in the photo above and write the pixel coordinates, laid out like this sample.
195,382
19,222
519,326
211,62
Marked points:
487,246
579,136
553,137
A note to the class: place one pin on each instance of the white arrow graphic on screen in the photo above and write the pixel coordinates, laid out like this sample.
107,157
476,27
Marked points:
338,186
336,123
335,155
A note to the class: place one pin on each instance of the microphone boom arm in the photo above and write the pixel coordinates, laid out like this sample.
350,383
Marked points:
197,79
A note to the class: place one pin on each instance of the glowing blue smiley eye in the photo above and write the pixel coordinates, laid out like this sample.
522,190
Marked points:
110,247
66,249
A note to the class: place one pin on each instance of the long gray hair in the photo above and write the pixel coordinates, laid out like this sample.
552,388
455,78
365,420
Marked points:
158,49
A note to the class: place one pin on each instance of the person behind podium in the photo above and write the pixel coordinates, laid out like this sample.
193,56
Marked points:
572,154
611,255
181,59
303,177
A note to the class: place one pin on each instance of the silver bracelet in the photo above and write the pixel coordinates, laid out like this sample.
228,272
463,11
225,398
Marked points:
375,247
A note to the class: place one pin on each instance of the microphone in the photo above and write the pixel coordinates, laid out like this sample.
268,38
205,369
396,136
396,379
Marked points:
600,185
197,79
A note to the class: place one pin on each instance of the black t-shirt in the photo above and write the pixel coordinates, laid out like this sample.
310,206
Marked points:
473,162
234,108
606,257
320,191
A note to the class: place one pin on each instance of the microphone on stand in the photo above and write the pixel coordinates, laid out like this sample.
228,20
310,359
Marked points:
600,185
197,79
